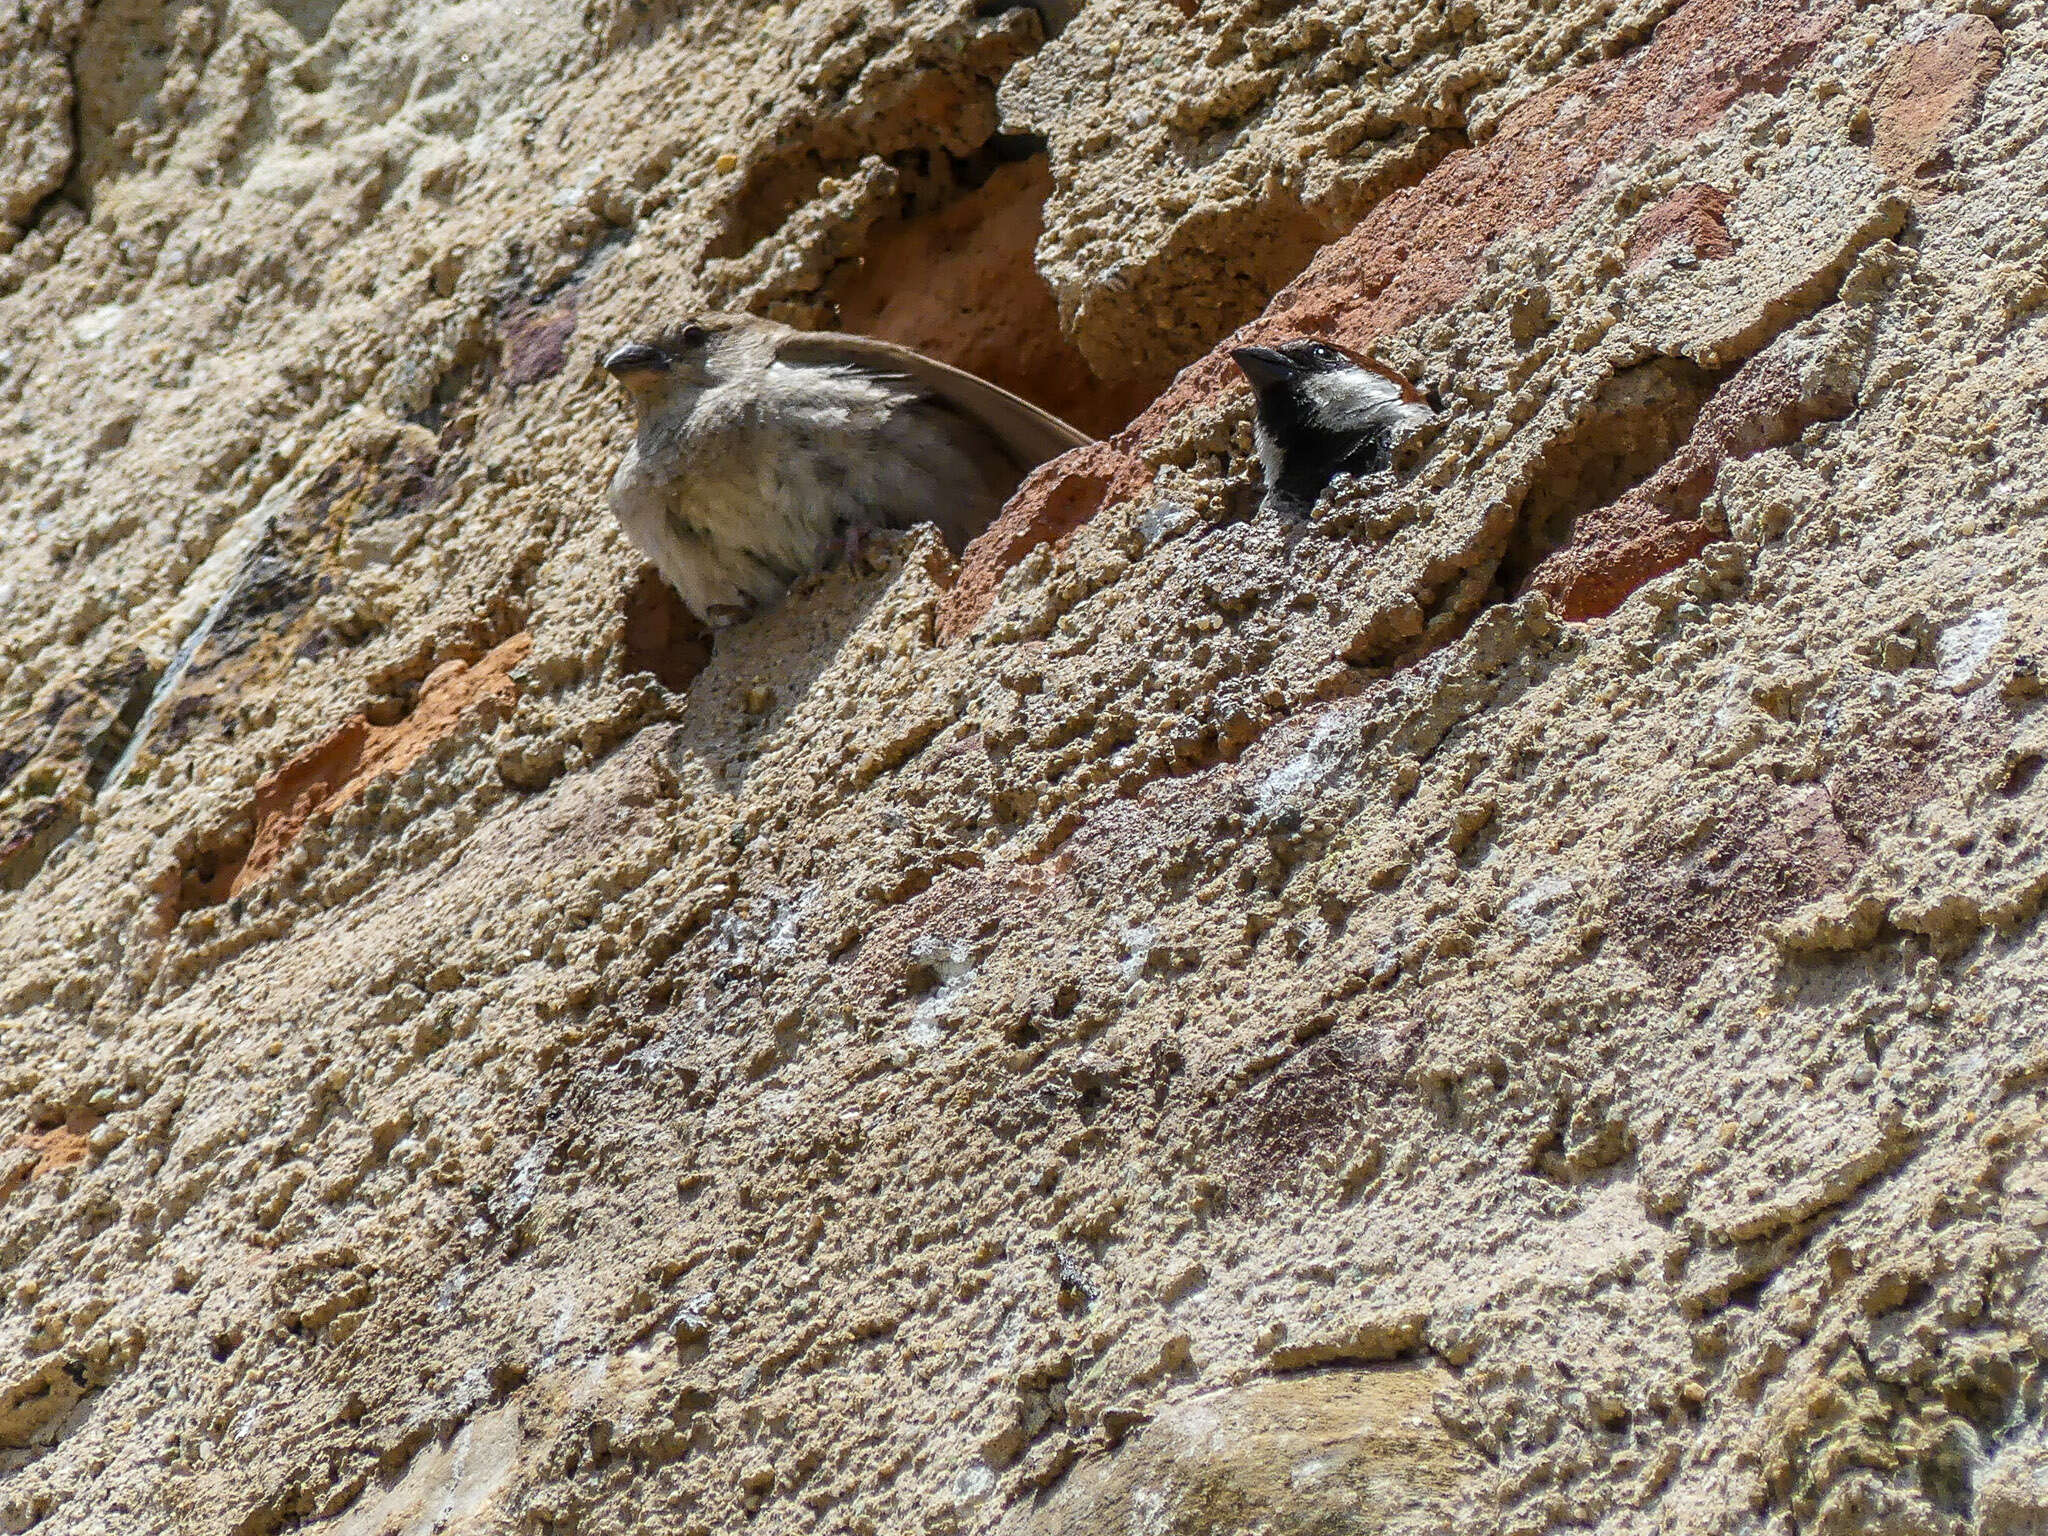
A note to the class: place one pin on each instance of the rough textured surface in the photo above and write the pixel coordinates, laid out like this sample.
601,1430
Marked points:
1508,1005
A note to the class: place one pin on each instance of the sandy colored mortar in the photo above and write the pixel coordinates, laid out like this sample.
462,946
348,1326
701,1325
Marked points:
1510,1006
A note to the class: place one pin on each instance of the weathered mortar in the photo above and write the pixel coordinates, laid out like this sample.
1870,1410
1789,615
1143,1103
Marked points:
1508,1007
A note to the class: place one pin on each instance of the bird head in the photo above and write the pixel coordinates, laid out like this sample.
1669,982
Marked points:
1325,384
1322,411
691,355
1290,361
1296,362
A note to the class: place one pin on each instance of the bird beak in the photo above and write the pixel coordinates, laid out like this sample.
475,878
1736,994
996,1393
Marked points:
634,358
1262,365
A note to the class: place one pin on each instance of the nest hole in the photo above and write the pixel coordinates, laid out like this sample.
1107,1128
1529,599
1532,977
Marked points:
961,283
662,636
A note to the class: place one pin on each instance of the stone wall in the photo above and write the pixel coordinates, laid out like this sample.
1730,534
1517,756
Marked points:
1510,1006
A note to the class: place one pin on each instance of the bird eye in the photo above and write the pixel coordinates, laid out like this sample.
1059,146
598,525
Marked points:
1325,354
695,336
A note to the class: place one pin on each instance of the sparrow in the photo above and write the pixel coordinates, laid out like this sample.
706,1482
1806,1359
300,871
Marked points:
761,451
1321,413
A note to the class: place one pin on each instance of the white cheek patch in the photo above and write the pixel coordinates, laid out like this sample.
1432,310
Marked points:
1360,401
1356,398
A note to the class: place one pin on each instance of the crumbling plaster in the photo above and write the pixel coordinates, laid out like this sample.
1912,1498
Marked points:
1508,1006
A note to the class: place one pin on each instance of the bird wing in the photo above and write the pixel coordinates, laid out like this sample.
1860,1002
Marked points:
1029,435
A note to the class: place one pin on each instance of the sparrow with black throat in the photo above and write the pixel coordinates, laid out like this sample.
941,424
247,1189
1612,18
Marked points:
1322,413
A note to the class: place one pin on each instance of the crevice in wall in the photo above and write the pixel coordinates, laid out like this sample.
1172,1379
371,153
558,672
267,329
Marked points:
361,506
1615,496
62,193
1396,1344
55,221
961,282
917,222
860,129
309,18
1607,529
1635,422
54,1399
1621,495
662,636
33,185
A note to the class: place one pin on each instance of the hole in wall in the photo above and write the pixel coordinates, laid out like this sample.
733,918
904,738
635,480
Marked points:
661,635
771,191
920,221
911,130
1053,15
1174,289
961,282
1622,495
1631,428
370,505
